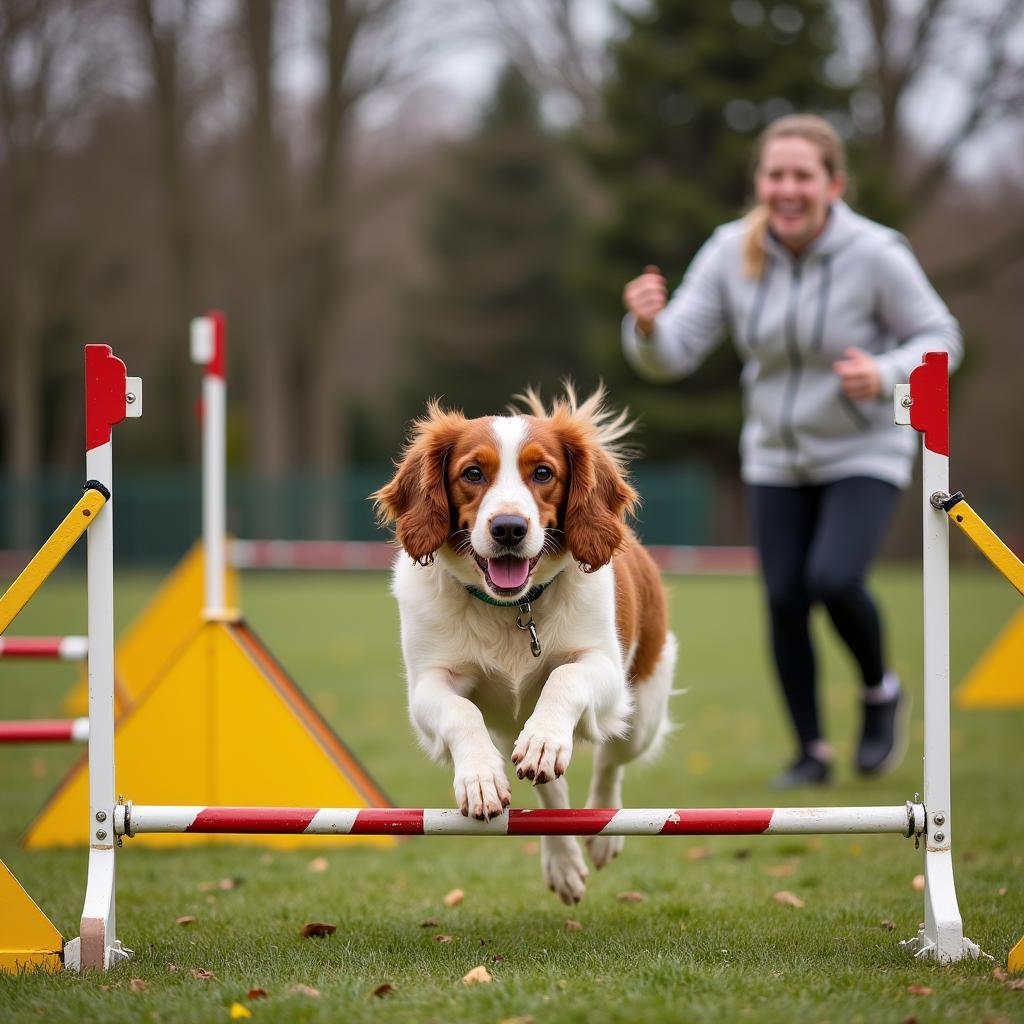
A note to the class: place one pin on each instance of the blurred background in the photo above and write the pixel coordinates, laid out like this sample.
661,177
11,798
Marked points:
397,199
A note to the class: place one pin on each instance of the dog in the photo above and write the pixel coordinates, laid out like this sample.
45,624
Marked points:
531,615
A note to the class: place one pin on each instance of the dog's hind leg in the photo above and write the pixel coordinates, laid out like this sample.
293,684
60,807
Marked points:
648,728
561,859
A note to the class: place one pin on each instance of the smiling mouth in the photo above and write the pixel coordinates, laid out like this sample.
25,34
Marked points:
506,574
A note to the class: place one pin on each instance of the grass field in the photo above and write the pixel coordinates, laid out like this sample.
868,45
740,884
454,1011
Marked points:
707,943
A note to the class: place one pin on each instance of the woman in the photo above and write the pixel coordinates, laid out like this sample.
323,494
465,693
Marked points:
828,311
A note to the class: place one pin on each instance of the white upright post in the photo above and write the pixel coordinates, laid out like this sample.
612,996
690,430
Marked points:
110,396
208,350
924,404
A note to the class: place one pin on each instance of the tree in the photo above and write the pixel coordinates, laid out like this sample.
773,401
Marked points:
499,314
690,87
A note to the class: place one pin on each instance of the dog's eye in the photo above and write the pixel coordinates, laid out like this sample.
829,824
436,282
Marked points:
542,474
473,475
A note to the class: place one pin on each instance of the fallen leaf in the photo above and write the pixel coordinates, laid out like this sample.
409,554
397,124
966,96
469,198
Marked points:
1017,985
920,990
478,976
531,848
454,898
256,993
698,853
1002,890
238,1011
185,919
137,985
497,959
304,990
319,864
787,898
442,938
382,990
429,923
631,897
202,974
918,883
573,926
889,926
741,854
780,870
999,974
229,883
317,929
173,968
563,984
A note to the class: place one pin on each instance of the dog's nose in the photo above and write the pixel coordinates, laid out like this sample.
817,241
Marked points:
508,530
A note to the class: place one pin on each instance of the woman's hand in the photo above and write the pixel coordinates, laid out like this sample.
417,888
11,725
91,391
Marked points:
645,297
859,375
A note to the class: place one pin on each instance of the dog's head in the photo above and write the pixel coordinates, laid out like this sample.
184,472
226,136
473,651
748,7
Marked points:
504,500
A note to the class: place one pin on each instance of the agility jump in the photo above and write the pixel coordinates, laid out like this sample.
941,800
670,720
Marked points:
923,404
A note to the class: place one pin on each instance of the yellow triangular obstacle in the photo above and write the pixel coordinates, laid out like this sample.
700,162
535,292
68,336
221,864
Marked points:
28,940
997,680
222,726
167,623
1015,961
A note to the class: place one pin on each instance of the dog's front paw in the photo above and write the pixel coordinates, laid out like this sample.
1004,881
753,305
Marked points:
482,791
564,869
541,753
603,849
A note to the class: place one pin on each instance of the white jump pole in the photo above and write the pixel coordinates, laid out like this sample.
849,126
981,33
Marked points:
208,344
924,405
110,396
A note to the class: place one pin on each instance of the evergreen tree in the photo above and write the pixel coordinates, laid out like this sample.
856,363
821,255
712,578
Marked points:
499,314
691,87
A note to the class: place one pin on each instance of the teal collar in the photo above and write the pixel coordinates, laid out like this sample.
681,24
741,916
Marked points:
528,598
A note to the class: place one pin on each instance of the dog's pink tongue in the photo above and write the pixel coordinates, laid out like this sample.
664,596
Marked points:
507,572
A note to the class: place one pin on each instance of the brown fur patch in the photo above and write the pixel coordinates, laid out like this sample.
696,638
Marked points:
640,608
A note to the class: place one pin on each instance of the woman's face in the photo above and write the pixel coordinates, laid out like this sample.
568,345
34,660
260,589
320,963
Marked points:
793,184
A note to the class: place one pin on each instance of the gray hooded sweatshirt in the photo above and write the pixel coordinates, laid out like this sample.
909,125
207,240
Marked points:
857,285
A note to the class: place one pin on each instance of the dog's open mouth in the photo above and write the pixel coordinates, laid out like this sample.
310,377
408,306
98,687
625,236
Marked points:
506,574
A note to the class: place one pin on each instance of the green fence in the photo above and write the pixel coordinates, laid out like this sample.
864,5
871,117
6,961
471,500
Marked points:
158,514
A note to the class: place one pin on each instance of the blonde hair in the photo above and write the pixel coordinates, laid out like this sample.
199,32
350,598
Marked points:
819,133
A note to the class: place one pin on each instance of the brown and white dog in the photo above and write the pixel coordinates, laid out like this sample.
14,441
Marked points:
496,512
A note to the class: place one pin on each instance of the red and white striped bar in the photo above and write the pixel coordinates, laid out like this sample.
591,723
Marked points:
46,730
60,648
132,820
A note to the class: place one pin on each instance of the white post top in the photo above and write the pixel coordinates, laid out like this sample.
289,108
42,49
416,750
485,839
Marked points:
203,340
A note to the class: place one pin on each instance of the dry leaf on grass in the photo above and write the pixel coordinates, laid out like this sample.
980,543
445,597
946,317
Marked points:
238,1011
1002,890
478,976
137,985
319,864
454,898
573,926
1017,985
256,993
229,883
383,990
430,922
889,926
918,883
202,974
443,938
999,974
185,919
631,897
780,871
531,848
920,990
317,929
785,897
497,959
698,853
173,968
304,990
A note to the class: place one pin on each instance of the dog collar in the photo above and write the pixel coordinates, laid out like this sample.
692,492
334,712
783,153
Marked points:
525,610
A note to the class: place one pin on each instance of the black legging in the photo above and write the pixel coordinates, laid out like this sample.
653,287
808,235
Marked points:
816,543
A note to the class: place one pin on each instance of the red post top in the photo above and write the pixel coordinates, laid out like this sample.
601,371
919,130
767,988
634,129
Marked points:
929,393
218,365
105,385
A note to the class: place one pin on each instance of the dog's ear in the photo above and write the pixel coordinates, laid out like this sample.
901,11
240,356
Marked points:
415,502
598,501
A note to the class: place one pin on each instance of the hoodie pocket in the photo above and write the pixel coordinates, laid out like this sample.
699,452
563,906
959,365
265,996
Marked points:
860,419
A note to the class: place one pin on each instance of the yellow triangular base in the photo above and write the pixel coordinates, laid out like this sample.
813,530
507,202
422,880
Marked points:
1015,961
28,940
171,618
223,725
997,681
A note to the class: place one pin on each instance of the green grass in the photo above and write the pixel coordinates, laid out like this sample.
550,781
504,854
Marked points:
708,943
